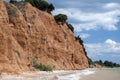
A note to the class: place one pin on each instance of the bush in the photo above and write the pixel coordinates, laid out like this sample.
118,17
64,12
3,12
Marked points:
70,27
60,18
50,8
31,2
42,5
13,1
43,67
90,62
40,66
79,39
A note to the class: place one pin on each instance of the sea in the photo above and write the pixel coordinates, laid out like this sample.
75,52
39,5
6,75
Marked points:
87,74
115,70
76,75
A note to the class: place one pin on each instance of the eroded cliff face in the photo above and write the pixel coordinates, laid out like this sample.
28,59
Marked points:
27,33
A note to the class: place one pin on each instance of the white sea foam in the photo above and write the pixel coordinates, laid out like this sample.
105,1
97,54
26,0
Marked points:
75,75
87,72
42,75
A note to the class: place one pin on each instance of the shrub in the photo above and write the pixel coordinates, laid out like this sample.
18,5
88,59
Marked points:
42,5
31,2
50,8
81,43
70,27
60,18
79,39
41,66
13,1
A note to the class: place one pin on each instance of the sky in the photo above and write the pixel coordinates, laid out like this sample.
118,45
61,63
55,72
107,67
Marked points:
98,24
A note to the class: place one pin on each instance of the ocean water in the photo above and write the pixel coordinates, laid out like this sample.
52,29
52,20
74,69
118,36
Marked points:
102,74
60,75
114,70
75,75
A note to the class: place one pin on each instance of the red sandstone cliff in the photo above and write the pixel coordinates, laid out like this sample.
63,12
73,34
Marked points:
27,33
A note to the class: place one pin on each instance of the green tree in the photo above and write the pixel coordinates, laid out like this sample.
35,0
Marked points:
79,39
43,5
31,2
70,27
100,62
13,1
50,8
36,3
108,63
61,18
90,61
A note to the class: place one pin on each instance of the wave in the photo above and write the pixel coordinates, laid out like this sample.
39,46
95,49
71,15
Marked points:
75,75
55,75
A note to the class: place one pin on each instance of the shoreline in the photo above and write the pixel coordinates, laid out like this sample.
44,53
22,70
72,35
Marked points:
43,75
86,74
104,74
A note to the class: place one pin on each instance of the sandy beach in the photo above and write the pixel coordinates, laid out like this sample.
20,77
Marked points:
87,74
102,74
42,75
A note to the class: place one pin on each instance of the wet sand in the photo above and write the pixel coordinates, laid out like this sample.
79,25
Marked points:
40,75
88,74
102,74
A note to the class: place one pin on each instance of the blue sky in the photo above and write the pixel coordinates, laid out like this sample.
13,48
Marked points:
97,22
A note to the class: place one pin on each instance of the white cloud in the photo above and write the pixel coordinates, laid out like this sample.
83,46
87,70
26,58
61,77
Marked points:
111,42
87,15
109,46
91,20
111,6
84,35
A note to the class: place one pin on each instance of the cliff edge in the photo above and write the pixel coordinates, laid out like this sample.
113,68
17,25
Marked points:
27,33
